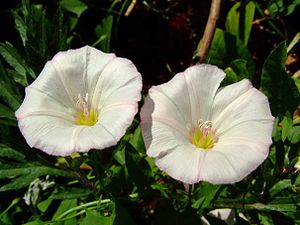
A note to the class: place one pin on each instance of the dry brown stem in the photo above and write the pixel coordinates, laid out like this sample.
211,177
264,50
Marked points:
209,29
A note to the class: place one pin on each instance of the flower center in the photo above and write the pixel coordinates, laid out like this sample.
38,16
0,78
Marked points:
84,115
203,136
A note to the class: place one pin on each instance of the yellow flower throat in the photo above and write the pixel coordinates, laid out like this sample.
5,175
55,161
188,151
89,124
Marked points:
84,115
203,136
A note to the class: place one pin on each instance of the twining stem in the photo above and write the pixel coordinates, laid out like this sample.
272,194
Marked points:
81,177
209,29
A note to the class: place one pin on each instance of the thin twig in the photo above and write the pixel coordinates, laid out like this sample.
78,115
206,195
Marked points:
130,8
209,29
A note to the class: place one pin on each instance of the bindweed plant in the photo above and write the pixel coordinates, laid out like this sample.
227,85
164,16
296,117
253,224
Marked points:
88,138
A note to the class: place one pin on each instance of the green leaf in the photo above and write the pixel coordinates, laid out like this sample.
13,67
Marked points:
279,186
103,31
75,6
294,134
10,153
44,205
236,72
21,27
64,206
35,222
23,176
297,82
70,193
8,90
239,20
137,140
276,133
279,87
226,48
205,194
95,218
12,57
287,124
6,112
265,218
138,168
282,7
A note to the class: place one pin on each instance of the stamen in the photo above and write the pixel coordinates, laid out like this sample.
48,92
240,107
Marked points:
204,136
84,114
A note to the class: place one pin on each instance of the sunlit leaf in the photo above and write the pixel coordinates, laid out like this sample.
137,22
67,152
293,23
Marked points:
226,48
75,6
239,20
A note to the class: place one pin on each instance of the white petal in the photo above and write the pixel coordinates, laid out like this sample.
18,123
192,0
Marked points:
171,101
241,103
161,136
231,161
202,81
111,126
183,163
51,134
119,83
37,102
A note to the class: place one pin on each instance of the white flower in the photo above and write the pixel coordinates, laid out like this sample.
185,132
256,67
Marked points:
83,99
197,132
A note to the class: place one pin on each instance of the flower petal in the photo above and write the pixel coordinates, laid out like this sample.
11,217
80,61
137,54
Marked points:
183,163
231,161
119,83
112,125
51,134
241,103
202,81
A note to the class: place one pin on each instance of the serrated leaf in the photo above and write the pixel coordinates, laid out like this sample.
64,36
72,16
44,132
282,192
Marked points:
277,84
14,59
8,92
226,48
23,176
10,153
21,27
6,112
239,20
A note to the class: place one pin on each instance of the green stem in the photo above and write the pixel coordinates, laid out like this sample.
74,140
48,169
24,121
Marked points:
82,207
15,201
261,12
